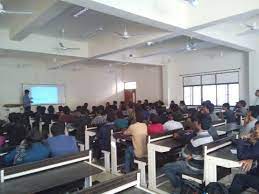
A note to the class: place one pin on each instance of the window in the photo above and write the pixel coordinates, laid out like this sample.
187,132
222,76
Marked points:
219,88
130,85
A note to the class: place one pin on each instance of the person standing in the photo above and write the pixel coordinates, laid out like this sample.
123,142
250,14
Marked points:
27,100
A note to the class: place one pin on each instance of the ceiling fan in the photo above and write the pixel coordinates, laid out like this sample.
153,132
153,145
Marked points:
92,34
81,12
251,28
126,35
4,11
189,47
62,47
192,2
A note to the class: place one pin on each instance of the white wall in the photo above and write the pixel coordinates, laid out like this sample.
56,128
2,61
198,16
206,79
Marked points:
215,59
92,84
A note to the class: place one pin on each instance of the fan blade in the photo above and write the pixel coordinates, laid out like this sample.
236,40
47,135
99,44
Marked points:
119,34
247,32
17,12
80,12
72,48
61,45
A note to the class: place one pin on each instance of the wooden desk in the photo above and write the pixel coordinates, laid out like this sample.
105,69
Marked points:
164,145
48,179
222,157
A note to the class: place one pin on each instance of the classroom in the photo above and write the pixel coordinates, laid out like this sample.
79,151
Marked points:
129,97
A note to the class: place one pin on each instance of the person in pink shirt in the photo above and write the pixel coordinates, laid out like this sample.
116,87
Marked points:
155,127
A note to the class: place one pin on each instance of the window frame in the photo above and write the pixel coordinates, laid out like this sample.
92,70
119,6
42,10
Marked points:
216,84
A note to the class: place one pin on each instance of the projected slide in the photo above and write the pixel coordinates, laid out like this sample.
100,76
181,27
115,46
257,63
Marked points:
44,95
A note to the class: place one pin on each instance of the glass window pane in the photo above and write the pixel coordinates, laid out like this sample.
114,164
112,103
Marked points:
209,93
233,94
188,95
197,95
222,94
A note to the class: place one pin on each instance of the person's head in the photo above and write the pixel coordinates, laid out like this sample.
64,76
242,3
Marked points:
51,109
79,108
60,108
108,104
140,116
115,103
182,103
110,116
255,135
170,117
252,113
226,106
93,108
139,102
196,120
146,101
242,103
257,93
26,92
257,127
58,129
85,105
174,107
43,110
66,110
33,136
205,108
154,119
120,115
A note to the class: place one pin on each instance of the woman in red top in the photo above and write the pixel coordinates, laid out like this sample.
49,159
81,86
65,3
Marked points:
155,127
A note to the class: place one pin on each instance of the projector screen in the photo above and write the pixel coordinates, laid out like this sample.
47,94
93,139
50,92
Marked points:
46,94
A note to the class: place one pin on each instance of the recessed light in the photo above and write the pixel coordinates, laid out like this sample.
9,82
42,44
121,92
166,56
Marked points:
150,43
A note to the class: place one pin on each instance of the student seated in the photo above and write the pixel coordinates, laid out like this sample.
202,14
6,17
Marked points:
66,117
100,117
176,112
104,136
120,122
61,144
192,162
31,149
247,151
183,107
206,121
155,127
250,121
171,125
138,148
229,115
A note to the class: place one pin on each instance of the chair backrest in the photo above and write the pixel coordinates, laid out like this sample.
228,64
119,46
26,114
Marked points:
39,166
218,123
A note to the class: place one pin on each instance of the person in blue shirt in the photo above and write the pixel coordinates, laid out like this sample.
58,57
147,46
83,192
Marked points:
61,144
27,100
31,149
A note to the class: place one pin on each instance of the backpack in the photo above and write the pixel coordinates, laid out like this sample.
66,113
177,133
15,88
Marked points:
216,188
189,187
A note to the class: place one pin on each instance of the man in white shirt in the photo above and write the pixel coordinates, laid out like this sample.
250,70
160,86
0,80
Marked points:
171,125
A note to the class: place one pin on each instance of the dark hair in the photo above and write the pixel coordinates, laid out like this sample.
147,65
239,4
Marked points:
254,111
243,103
226,105
26,91
79,108
140,116
154,119
60,108
182,102
174,107
257,123
42,110
86,104
110,117
51,109
66,110
114,102
58,129
197,118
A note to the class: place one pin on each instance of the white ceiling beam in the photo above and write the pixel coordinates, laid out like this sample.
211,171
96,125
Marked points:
43,12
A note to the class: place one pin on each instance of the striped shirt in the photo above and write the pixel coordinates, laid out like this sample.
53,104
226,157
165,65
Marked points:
195,150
